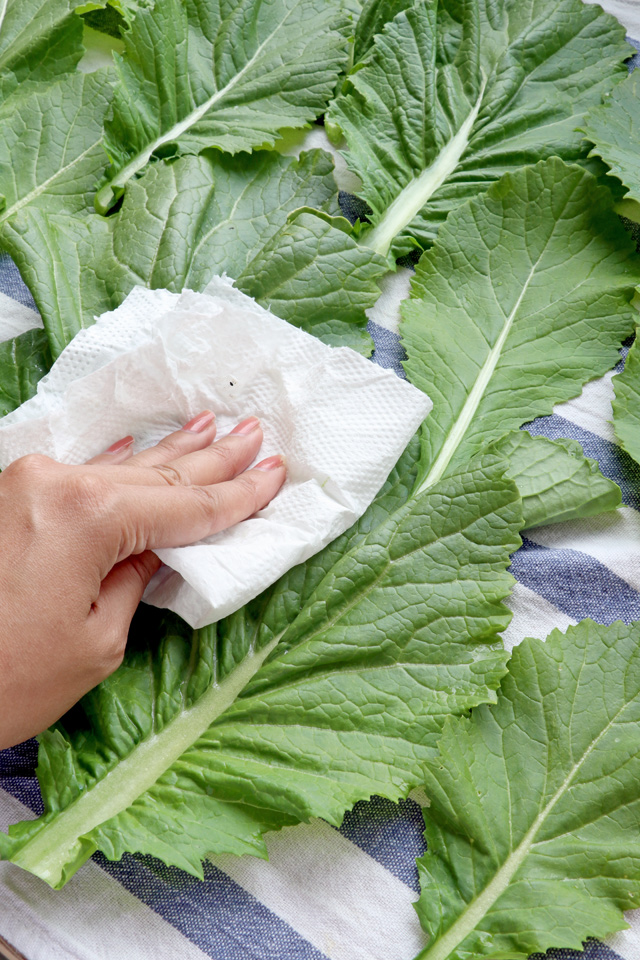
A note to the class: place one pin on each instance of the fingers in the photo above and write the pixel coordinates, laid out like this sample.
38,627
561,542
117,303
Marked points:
118,452
174,516
195,435
220,461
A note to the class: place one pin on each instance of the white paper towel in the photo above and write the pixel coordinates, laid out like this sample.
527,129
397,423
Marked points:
149,366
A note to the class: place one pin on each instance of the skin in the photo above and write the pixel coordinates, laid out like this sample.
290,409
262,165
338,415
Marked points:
76,553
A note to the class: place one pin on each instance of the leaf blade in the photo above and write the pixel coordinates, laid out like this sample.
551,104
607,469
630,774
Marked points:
272,68
538,276
562,773
295,742
453,95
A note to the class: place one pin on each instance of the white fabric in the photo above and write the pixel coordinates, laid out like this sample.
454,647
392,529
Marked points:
160,358
15,318
627,12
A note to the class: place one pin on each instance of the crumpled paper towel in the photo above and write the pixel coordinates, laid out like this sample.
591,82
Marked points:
149,366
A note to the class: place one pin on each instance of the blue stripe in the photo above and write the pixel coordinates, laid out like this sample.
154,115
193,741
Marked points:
388,352
12,284
612,459
391,833
216,915
575,583
593,950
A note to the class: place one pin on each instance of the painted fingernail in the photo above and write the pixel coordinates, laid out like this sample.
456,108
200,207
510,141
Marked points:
271,463
120,445
246,426
200,423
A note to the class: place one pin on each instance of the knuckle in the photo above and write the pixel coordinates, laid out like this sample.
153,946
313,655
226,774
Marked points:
208,501
249,491
29,468
110,656
88,494
225,454
171,475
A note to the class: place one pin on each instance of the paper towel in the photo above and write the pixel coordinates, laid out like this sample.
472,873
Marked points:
149,366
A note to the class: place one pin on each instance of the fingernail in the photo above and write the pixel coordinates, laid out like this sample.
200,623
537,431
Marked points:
120,445
200,423
247,426
271,463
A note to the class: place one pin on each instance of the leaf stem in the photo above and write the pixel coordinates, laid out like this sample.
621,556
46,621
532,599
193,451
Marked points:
418,191
64,840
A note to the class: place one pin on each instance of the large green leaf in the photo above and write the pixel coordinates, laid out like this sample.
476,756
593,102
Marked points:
51,152
331,687
626,404
525,296
219,73
534,820
457,92
185,221
614,129
39,40
555,479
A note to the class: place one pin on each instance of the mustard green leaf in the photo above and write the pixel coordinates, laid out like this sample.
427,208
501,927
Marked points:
534,814
455,93
331,687
186,221
526,295
218,73
555,479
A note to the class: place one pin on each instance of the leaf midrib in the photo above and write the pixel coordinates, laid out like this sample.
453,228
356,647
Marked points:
47,852
458,430
142,157
479,907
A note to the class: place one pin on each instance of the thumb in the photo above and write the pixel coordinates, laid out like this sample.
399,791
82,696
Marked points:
121,590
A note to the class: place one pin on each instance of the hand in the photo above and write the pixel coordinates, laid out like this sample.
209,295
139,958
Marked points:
76,553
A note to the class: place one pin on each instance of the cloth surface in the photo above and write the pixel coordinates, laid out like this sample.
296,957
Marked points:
159,359
327,894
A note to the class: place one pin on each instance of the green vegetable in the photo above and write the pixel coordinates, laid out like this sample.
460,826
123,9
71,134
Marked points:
533,824
374,17
23,361
185,221
626,405
331,687
554,478
525,296
458,92
204,73
39,40
614,130
51,151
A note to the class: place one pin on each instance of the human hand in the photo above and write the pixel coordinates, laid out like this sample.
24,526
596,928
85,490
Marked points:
76,553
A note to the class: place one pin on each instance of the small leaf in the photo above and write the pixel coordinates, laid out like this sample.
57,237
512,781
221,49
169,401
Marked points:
614,130
626,405
555,479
